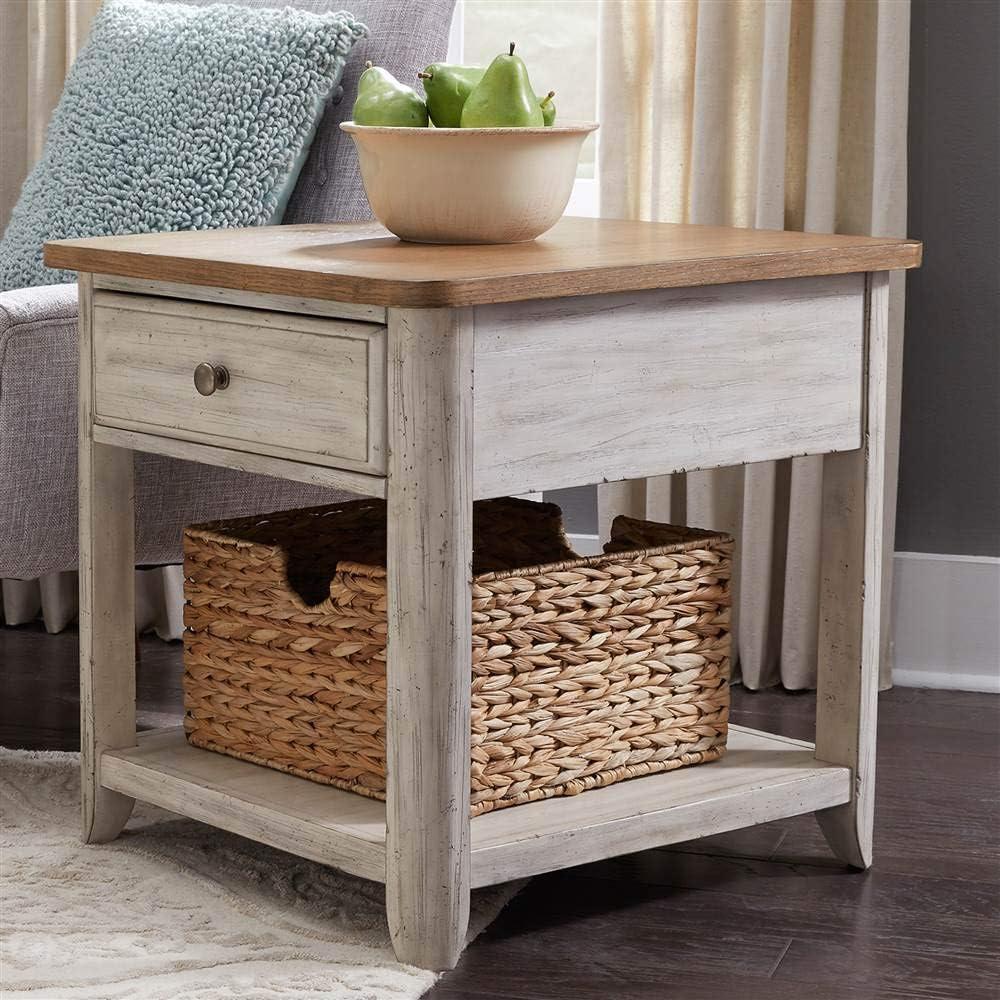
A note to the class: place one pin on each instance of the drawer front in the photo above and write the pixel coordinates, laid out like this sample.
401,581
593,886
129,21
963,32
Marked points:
609,387
301,387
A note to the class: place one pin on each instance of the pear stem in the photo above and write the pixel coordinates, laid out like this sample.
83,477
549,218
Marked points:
511,48
548,97
369,64
425,76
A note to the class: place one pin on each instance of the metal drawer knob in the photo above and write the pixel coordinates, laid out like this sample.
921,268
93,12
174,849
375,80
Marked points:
208,378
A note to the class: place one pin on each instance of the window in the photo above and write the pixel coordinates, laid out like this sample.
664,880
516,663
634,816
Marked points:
558,41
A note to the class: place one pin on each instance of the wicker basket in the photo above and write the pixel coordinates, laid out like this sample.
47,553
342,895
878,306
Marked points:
585,671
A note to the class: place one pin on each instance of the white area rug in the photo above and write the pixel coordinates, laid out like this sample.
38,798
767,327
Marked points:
175,910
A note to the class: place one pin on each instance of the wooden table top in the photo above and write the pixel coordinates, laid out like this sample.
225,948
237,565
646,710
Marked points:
361,262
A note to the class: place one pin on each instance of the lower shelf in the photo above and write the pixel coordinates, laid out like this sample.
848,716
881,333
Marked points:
761,778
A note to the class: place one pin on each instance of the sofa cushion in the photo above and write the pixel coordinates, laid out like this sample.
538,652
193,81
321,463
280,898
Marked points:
404,36
177,117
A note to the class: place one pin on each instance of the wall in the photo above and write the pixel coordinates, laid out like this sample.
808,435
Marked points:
949,485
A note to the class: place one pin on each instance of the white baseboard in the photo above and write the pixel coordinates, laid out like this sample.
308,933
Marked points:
946,621
585,545
945,617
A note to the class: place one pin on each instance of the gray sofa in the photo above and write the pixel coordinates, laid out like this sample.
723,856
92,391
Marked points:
38,346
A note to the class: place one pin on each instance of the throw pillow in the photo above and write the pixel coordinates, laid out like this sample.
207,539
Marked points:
177,117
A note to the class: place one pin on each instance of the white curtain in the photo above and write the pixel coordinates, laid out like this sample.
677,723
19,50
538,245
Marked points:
774,114
39,40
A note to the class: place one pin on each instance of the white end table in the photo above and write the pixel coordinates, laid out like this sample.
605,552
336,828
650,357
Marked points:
434,376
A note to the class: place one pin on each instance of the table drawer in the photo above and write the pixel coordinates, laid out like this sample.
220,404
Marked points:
302,387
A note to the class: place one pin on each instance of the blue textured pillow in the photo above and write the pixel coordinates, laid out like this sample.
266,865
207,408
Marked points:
177,117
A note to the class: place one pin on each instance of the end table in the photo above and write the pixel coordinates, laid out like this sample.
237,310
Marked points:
434,376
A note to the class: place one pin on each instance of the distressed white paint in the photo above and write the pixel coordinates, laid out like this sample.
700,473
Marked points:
850,602
311,820
428,670
300,386
244,461
761,778
238,297
107,603
566,391
622,386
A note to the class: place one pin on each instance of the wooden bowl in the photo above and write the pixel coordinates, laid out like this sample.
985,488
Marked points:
468,185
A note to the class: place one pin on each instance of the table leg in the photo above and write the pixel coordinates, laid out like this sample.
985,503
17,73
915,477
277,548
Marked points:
107,605
428,859
850,602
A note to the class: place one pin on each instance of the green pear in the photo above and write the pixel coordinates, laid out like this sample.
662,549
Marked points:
548,108
383,100
447,87
503,97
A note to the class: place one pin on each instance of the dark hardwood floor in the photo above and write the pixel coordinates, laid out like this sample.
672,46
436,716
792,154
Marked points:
761,914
